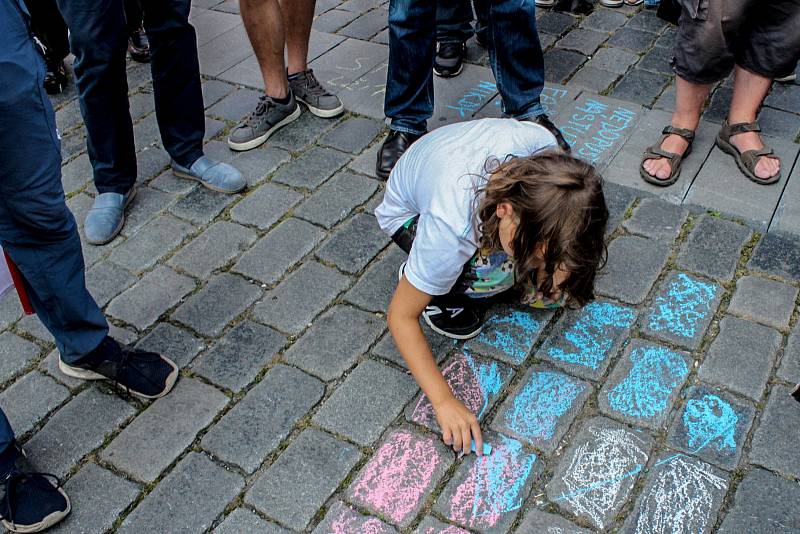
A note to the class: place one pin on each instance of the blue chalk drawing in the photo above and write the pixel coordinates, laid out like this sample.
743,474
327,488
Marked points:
588,336
512,334
644,393
489,377
503,477
710,421
539,405
681,309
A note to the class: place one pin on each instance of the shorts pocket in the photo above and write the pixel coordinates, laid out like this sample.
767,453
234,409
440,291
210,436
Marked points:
695,9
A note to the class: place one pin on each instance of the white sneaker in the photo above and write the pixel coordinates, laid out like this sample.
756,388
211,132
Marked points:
545,3
612,3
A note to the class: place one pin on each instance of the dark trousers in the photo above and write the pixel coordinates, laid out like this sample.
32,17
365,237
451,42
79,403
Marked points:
454,21
99,40
49,26
514,51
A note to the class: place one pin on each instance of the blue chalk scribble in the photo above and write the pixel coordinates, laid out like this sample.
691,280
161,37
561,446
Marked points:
644,393
513,334
589,335
684,305
503,478
539,405
489,377
710,421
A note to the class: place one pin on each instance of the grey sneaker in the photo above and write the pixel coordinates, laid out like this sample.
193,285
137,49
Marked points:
268,117
310,92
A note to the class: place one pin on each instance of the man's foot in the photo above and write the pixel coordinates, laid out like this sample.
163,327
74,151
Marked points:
106,216
29,501
215,175
268,117
544,120
393,147
307,89
449,59
768,166
55,76
141,373
456,319
660,167
139,46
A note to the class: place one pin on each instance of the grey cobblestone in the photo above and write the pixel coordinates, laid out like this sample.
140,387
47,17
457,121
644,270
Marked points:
28,400
106,280
10,309
235,105
265,206
312,168
212,249
176,343
714,247
225,297
790,363
302,132
32,326
774,447
539,521
366,25
594,79
353,246
201,205
509,334
765,301
255,165
142,304
338,197
777,254
242,520
560,64
142,250
146,205
214,91
657,60
640,86
343,516
50,366
632,39
16,353
657,220
554,22
763,503
605,20
633,267
613,59
376,286
582,40
352,135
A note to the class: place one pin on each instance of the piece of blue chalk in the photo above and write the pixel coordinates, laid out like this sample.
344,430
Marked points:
487,449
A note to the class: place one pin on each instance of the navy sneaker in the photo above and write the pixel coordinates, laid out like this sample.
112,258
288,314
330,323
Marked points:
449,59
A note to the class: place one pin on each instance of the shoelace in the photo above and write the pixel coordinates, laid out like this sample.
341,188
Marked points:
263,105
10,482
312,84
129,356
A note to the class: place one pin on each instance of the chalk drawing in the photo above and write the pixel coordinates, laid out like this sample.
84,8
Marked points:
398,475
593,129
348,521
645,392
474,98
710,422
450,529
589,337
550,98
512,334
541,403
494,485
594,479
680,499
682,307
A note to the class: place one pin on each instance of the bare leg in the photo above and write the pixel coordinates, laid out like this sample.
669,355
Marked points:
297,17
265,28
749,89
688,106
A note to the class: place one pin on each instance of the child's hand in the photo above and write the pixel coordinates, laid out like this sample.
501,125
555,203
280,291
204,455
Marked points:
459,426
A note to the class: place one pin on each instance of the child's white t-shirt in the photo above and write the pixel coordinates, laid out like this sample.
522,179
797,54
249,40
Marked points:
438,178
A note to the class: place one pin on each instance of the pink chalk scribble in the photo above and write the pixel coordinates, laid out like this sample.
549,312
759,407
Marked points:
398,475
348,521
450,529
465,385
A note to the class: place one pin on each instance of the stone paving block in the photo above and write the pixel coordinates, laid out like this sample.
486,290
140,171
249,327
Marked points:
365,163
765,301
460,99
265,206
657,60
486,493
779,123
28,400
293,488
159,434
712,425
221,301
31,325
777,254
560,64
259,422
382,37
236,359
741,357
73,144
323,350
681,494
212,128
682,310
68,117
787,215
646,20
764,503
790,363
554,22
355,244
236,105
98,497
214,91
657,220
16,353
76,174
344,518
375,288
719,105
333,20
773,447
475,381
224,51
347,62
146,133
80,205
210,24
336,199
541,410
714,247
212,487
632,268
360,6
640,86
352,135
431,525
595,476
106,280
604,20
632,39
594,79
50,366
76,429
140,104
202,205
146,205
214,248
785,97
177,344
255,165
613,59
539,521
365,95
583,41
510,333
645,384
401,475
169,183
243,520
151,243
157,291
439,345
294,303
150,162
619,199
585,341
276,252
302,132
312,168
367,24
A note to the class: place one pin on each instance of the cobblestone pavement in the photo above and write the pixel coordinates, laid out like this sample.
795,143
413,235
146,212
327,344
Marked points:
664,402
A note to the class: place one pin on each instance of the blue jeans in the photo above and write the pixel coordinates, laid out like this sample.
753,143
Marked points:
514,51
454,22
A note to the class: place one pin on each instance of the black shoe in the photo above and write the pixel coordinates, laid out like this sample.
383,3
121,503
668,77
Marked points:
544,120
480,40
55,76
144,374
449,59
29,501
393,147
139,46
454,318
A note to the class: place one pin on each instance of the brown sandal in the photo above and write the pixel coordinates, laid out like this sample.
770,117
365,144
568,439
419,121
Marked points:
675,160
747,160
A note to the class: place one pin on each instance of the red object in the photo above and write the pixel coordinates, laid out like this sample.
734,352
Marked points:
19,283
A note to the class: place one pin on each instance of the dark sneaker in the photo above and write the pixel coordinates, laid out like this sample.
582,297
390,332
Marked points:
544,120
139,46
310,92
268,117
29,501
144,374
449,59
456,319
55,76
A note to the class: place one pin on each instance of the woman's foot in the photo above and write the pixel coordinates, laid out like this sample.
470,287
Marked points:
767,166
660,167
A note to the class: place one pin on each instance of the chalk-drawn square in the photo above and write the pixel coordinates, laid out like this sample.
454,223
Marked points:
474,380
712,425
585,341
542,409
539,522
486,493
682,494
509,333
431,525
644,384
401,475
682,310
343,519
596,475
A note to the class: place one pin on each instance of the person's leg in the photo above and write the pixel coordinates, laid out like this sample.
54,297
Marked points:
263,20
453,21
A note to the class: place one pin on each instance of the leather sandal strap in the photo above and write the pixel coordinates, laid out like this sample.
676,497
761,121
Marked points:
683,132
743,127
655,152
750,157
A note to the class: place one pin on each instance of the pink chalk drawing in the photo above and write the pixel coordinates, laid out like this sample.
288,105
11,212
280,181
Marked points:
395,480
348,521
450,529
493,487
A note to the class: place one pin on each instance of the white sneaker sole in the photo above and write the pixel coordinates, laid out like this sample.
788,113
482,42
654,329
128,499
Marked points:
45,523
612,3
453,75
261,139
448,334
324,113
85,374
121,224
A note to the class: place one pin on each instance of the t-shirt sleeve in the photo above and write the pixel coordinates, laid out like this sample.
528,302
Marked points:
437,256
